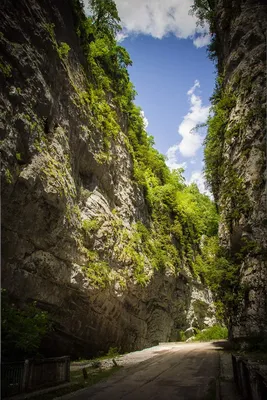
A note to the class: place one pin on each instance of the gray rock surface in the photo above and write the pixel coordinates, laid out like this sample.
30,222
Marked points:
242,27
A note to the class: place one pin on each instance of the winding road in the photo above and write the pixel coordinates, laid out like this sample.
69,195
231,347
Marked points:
189,371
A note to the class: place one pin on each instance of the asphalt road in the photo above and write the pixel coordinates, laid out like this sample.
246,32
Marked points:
173,371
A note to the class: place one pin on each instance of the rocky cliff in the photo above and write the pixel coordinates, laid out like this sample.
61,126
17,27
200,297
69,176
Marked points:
238,169
71,206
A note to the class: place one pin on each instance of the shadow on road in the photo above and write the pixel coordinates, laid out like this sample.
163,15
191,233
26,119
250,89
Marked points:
224,345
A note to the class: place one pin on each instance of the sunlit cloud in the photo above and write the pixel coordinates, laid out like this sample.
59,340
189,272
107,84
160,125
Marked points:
202,40
172,158
191,138
198,178
159,18
144,119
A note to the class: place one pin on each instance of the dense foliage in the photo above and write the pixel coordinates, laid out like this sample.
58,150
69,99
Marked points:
220,271
215,332
21,329
222,104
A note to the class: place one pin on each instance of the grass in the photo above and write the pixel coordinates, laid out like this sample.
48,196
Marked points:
112,353
215,332
78,382
94,375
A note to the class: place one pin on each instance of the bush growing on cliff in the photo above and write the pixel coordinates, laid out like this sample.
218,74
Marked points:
213,152
63,50
91,225
220,272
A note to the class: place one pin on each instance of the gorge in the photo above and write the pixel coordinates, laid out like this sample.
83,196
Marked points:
96,230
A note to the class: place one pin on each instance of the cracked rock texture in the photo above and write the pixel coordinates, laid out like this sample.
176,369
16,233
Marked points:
241,30
54,182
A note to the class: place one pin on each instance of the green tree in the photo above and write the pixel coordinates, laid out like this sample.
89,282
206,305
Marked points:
22,329
204,11
105,17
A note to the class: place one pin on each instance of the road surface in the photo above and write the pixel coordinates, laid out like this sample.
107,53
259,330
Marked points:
188,371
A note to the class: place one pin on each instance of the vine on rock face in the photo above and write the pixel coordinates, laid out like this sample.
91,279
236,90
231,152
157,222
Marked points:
222,104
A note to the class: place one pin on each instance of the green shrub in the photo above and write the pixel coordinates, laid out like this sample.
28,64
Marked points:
8,176
91,225
215,332
63,50
5,68
18,156
181,336
22,329
113,352
96,270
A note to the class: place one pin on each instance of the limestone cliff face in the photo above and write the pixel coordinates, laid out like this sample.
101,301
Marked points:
241,33
66,206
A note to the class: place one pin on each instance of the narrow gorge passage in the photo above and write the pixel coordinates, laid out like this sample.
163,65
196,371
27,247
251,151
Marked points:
110,242
178,371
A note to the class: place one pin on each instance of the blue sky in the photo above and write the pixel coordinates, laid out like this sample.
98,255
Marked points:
163,72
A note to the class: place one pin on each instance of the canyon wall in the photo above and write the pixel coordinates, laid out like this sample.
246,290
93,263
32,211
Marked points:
241,28
70,208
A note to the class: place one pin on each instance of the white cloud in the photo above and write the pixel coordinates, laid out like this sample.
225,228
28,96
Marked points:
159,18
172,161
121,36
202,40
192,140
198,178
193,88
144,119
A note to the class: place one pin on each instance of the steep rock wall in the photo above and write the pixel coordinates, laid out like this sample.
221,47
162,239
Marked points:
241,28
65,206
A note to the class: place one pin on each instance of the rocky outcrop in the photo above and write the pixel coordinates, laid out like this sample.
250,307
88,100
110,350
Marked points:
68,209
241,42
